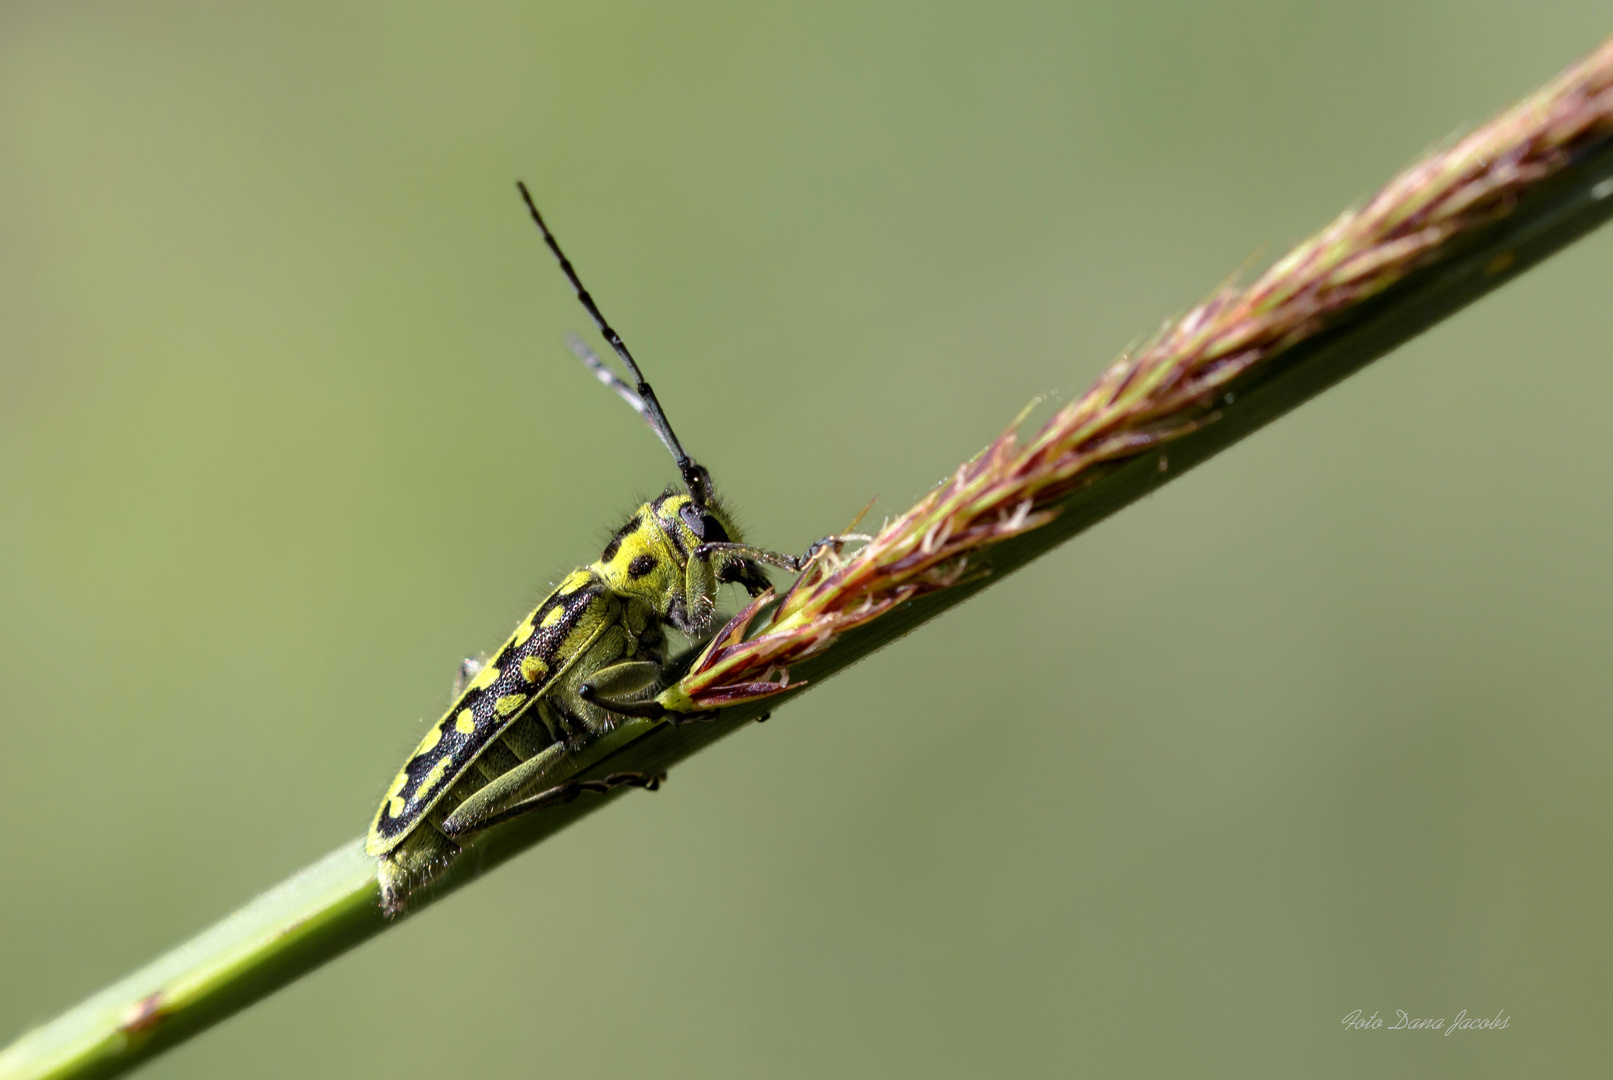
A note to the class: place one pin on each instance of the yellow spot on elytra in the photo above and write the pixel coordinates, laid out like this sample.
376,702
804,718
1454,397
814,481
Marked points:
465,722
574,581
509,703
484,678
433,737
533,669
432,777
522,632
554,615
394,802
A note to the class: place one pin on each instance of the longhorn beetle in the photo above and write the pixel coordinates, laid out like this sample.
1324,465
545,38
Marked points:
593,650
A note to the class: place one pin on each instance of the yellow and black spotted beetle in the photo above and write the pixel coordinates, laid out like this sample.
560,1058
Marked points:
594,650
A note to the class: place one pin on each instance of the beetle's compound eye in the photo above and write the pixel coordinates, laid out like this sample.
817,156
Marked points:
704,525
713,532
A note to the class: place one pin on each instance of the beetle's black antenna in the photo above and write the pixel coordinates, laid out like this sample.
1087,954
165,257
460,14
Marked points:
590,360
640,397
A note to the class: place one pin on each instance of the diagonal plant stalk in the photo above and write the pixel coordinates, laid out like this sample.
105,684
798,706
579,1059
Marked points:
1443,233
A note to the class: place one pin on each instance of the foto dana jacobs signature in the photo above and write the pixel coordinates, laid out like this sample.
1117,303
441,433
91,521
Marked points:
1356,1020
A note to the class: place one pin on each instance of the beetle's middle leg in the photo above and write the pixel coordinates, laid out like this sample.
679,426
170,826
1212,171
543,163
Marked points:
617,688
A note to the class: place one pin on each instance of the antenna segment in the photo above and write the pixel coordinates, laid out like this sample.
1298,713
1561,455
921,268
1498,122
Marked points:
641,397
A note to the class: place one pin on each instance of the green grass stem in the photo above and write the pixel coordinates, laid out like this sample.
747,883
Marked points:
1447,231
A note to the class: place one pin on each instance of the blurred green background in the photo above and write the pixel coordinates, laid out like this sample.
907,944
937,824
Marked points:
1321,727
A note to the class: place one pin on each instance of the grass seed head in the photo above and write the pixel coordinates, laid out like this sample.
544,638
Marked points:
1165,388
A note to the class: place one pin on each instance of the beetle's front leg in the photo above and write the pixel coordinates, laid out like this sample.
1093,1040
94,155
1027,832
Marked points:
702,576
793,563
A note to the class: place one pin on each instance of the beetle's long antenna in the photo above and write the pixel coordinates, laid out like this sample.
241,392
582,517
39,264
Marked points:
590,360
640,397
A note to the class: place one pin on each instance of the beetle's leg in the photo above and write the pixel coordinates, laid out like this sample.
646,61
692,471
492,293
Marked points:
651,709
793,563
835,541
701,577
699,594
644,710
564,793
613,685
501,793
507,798
468,668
